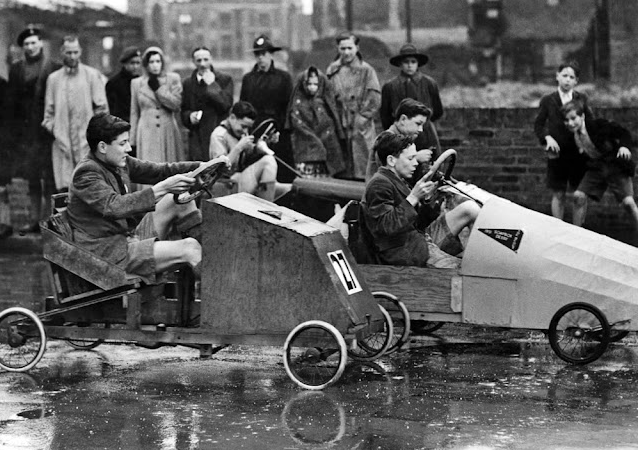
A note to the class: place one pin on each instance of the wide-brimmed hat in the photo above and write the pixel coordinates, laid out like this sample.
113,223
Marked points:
409,50
263,44
28,32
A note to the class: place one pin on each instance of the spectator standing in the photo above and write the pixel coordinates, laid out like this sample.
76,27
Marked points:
118,88
29,144
6,229
231,138
206,100
412,83
155,101
610,161
317,135
269,89
565,166
358,91
74,94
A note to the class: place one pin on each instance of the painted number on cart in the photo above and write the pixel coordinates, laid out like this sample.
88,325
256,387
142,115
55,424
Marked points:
344,272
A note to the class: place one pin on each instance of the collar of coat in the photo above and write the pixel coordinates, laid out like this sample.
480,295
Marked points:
270,69
337,65
401,184
418,76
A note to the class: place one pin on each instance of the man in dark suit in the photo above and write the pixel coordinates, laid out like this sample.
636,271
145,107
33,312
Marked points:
610,161
118,88
392,210
206,101
23,111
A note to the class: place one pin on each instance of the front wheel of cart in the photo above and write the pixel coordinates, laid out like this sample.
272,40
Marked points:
400,317
22,339
376,343
315,354
579,333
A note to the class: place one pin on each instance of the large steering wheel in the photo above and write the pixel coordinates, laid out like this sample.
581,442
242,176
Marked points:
205,177
447,160
264,130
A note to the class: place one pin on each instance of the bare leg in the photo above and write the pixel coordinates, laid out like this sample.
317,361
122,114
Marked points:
631,207
558,204
580,208
259,178
461,216
167,212
169,254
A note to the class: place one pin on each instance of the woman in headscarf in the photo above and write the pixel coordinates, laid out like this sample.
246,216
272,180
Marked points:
155,101
317,136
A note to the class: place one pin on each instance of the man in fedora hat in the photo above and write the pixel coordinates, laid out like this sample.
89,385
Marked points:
411,83
118,88
23,112
269,89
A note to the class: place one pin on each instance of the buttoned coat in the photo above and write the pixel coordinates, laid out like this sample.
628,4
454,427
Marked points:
214,100
154,127
70,130
392,221
100,204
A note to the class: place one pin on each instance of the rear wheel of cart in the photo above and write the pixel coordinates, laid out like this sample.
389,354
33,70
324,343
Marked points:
315,354
400,317
376,343
22,339
87,344
579,333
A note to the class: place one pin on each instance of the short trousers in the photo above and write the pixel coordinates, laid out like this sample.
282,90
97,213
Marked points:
442,245
601,176
140,258
565,171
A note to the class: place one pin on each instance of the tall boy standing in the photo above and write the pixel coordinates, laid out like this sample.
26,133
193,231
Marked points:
566,166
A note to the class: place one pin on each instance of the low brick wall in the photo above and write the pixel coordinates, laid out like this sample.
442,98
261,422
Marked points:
498,151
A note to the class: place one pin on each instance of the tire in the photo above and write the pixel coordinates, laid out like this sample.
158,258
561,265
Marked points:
425,326
86,344
22,339
400,317
314,419
579,333
375,344
314,355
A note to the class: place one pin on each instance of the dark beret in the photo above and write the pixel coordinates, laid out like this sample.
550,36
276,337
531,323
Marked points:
129,53
26,33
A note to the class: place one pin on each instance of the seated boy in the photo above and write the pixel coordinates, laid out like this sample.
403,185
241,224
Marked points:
392,211
610,163
105,214
232,138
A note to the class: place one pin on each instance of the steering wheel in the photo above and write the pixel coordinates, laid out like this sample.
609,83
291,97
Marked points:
205,177
264,130
449,157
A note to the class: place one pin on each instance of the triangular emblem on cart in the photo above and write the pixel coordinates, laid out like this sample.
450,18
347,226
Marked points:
506,237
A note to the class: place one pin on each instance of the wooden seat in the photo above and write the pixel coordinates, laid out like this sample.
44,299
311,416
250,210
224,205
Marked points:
360,239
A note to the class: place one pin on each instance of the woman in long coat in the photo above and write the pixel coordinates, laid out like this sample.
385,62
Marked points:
317,134
155,102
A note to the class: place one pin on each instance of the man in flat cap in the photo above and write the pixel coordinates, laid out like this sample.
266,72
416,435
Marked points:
118,88
411,83
74,94
23,113
269,90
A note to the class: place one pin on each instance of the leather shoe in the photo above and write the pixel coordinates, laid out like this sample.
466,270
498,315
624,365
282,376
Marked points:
5,230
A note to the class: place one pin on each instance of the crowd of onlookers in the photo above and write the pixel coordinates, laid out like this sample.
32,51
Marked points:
324,121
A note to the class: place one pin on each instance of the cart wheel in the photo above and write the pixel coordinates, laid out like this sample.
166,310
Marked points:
400,317
314,354
87,344
375,344
579,333
425,326
22,339
312,418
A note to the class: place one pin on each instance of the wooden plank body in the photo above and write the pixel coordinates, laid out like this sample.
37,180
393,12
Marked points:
264,274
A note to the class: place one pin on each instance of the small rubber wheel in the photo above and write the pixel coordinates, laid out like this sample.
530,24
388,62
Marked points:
425,326
22,339
579,333
376,343
87,344
314,355
400,317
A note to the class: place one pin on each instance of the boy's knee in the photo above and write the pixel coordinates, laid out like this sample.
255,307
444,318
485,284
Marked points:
628,202
470,210
579,198
192,250
559,195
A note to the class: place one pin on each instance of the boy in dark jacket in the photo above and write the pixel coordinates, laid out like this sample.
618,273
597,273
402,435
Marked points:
610,161
566,166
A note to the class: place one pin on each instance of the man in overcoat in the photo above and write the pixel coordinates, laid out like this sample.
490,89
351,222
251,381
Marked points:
118,88
206,100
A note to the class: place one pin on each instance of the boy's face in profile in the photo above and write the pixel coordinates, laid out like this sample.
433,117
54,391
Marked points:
405,163
574,121
115,152
567,79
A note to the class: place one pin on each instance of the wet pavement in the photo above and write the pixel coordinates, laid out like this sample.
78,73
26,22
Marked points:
465,388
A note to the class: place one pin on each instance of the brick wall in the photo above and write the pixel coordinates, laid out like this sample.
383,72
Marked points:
498,151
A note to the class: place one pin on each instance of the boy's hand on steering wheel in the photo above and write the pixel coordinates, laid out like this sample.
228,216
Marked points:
423,190
175,184
219,159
